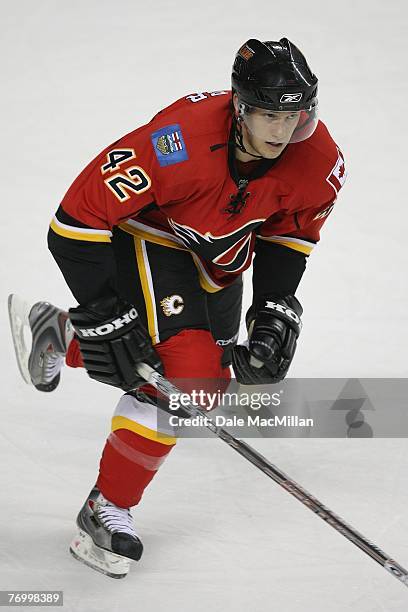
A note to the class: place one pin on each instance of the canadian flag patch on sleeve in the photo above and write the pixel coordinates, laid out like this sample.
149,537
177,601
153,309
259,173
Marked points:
338,174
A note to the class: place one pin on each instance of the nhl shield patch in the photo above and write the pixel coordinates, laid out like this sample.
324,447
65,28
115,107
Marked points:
169,146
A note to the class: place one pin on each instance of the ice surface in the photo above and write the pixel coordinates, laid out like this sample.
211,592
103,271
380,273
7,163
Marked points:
217,533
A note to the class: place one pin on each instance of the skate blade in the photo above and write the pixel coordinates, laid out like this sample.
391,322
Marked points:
84,550
19,310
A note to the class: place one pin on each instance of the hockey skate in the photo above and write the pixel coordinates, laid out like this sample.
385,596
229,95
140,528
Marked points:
106,538
51,331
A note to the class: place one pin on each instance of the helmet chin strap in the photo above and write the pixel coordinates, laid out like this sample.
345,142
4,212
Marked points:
239,139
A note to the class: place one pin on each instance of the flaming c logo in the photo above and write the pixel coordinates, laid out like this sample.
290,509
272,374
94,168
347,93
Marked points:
172,305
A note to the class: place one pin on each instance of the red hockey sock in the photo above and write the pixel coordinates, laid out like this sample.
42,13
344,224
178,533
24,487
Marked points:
73,358
129,462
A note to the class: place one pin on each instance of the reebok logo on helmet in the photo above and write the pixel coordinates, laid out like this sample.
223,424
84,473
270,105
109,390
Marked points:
291,97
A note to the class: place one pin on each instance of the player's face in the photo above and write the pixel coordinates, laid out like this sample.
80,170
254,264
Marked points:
267,133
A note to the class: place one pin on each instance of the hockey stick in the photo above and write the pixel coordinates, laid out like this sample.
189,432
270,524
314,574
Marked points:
167,388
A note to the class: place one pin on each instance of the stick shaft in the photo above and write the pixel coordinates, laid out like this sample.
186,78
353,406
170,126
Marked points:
271,470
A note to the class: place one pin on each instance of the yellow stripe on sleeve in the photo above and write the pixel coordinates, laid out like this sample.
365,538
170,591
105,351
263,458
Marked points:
78,235
302,247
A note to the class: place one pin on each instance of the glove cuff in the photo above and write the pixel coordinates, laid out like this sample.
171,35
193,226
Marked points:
87,328
287,309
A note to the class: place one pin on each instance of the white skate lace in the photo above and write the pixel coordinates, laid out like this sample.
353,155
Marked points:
53,363
116,519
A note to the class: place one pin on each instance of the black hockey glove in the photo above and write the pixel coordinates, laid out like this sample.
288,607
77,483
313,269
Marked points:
113,341
273,328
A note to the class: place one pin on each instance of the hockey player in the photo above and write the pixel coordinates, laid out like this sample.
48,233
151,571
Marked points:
152,239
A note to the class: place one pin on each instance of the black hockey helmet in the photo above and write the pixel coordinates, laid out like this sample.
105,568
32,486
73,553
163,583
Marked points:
274,75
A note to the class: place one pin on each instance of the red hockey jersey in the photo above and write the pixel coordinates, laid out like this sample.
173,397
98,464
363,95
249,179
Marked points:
175,181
